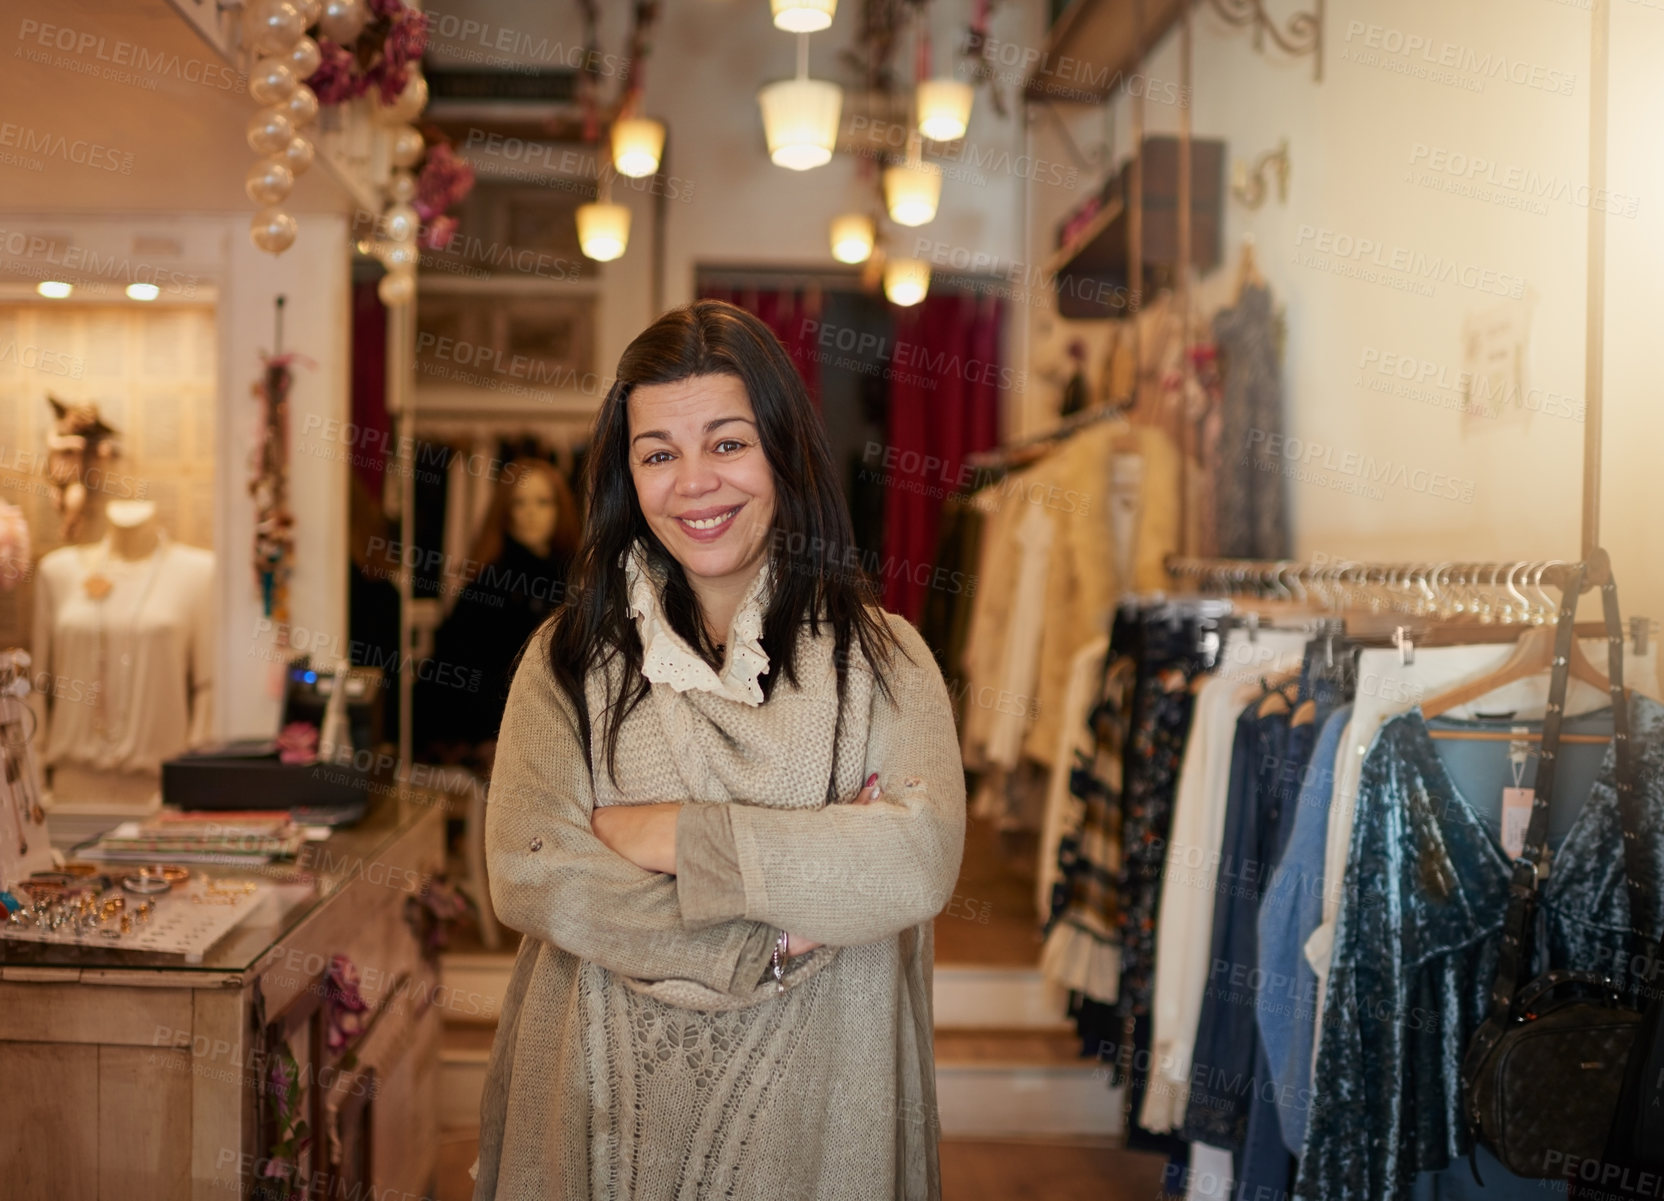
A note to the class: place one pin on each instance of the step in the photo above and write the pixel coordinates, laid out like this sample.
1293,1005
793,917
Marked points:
990,1083
966,997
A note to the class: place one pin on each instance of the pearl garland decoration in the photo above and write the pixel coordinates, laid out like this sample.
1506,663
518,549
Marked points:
273,230
269,181
272,81
305,58
274,25
298,154
407,146
270,130
302,106
342,20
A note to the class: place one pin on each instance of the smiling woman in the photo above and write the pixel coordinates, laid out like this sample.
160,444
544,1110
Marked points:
728,908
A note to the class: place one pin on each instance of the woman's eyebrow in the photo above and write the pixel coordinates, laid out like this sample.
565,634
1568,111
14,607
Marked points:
713,424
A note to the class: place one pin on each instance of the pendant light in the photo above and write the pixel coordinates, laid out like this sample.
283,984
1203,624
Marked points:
803,16
944,108
906,281
603,230
912,189
800,116
637,144
852,238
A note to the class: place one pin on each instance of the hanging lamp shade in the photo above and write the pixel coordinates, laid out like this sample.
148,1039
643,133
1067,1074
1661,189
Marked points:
852,237
803,16
800,121
603,230
637,145
911,192
944,108
906,281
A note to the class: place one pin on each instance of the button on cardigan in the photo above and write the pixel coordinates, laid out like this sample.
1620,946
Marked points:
642,1051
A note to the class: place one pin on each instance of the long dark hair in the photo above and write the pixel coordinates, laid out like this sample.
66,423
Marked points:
810,541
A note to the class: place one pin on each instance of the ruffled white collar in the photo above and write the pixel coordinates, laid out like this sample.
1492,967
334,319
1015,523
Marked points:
668,659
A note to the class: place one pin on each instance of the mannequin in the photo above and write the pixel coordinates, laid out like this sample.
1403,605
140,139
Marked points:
123,657
520,560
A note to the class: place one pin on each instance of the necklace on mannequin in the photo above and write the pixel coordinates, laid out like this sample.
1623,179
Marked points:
99,586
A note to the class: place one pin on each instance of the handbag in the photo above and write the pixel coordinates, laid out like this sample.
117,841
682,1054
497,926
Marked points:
1542,1075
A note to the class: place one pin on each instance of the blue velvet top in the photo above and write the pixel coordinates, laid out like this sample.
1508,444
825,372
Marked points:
1415,951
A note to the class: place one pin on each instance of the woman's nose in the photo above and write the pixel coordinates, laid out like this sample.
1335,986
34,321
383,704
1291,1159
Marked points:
695,477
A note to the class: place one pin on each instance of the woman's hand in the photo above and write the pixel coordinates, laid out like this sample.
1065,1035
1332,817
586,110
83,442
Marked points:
643,834
796,944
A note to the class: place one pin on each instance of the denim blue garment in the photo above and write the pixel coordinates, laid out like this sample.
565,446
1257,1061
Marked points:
1290,910
1415,952
1261,800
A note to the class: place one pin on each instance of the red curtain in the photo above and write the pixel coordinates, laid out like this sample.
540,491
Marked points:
794,318
945,385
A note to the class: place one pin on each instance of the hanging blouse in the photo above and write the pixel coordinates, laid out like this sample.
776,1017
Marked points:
1415,949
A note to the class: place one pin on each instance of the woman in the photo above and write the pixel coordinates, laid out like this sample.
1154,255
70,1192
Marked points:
728,802
516,578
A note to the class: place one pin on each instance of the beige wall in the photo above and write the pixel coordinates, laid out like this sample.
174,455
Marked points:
1363,143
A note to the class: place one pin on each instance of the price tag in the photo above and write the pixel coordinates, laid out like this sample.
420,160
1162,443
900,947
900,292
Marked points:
1516,817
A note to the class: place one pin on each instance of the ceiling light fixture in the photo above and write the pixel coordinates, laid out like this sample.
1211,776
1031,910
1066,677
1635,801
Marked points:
143,291
603,230
803,16
637,146
852,238
800,116
944,108
54,289
906,281
913,189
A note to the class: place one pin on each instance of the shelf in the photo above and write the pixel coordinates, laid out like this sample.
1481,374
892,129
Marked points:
1090,271
1093,46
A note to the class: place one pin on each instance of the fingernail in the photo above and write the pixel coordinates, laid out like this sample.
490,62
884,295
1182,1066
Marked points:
871,780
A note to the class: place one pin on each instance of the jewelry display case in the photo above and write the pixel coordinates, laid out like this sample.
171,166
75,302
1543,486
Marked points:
301,1053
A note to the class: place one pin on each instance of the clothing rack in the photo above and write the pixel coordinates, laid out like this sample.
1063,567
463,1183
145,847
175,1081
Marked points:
1024,450
1280,576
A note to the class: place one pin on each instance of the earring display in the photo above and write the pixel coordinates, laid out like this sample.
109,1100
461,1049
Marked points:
157,907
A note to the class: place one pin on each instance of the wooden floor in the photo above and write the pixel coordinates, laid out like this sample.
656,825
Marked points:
971,1171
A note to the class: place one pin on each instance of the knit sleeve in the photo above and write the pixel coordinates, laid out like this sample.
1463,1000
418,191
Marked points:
553,879
844,875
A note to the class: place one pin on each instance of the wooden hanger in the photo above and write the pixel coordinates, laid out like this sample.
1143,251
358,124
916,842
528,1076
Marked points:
1533,655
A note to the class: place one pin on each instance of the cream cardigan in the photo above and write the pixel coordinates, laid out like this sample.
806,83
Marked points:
641,1053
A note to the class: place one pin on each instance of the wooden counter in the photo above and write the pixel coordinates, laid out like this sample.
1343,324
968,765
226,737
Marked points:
131,1076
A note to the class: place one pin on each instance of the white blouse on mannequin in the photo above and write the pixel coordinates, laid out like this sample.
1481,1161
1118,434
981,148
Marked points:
125,665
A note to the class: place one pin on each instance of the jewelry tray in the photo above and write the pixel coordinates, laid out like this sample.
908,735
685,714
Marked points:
179,926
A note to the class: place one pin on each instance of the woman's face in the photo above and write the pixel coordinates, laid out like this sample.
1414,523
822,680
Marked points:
701,476
532,511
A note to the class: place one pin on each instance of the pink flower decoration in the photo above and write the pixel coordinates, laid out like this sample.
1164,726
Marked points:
437,234
14,544
298,743
337,79
445,180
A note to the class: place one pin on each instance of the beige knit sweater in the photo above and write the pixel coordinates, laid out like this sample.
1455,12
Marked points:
603,1082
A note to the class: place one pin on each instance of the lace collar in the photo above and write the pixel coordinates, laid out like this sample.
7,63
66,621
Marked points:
668,659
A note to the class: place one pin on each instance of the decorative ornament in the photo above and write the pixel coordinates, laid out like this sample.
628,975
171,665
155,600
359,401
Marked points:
399,223
272,230
269,181
302,106
272,81
274,25
298,154
407,104
342,20
274,539
397,288
407,146
269,131
398,256
401,188
79,442
305,58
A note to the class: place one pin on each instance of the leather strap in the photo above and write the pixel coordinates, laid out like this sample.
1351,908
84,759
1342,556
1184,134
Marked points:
1533,864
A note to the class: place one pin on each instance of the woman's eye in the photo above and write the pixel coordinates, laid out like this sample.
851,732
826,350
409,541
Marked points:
658,456
729,446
